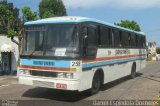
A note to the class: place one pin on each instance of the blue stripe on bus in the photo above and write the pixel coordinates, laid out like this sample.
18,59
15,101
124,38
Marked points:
46,63
66,64
110,62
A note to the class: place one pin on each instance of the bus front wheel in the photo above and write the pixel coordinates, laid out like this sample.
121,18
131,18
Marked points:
96,84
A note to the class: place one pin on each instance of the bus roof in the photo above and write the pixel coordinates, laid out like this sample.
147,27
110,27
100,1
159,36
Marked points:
75,19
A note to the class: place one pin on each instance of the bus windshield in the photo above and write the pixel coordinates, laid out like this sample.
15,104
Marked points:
60,36
34,41
48,42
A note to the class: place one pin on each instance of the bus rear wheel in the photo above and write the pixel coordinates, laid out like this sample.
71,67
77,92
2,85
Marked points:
96,84
133,71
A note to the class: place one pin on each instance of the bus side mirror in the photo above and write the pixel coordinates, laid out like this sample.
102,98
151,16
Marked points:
85,36
85,40
85,44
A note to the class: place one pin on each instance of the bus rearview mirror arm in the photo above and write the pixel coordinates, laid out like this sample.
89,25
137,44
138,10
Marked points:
85,40
85,44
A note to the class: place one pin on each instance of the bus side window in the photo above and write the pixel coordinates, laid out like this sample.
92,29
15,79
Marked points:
117,39
105,37
133,42
139,41
125,39
84,30
143,40
112,34
110,41
92,36
92,43
129,40
120,38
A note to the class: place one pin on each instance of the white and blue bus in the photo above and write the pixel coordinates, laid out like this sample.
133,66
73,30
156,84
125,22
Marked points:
78,53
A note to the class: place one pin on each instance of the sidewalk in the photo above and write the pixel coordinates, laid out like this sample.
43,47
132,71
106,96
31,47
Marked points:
7,76
153,61
8,79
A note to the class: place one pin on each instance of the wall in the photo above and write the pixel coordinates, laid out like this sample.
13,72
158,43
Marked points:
151,46
5,40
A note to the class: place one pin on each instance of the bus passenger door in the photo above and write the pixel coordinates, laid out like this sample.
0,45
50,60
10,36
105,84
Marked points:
90,42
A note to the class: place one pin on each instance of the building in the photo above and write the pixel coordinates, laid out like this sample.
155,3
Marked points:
151,50
151,47
8,55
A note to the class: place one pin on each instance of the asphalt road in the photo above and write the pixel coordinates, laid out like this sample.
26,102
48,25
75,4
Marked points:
146,86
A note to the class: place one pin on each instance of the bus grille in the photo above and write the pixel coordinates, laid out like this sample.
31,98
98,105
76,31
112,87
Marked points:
43,84
43,73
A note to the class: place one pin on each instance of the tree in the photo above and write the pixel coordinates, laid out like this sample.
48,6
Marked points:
48,14
28,14
18,30
10,22
51,8
9,16
133,25
158,50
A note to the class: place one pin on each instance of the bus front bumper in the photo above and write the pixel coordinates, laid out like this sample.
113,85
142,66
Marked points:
72,85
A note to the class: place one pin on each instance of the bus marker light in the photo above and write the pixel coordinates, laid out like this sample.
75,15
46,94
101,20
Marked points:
73,69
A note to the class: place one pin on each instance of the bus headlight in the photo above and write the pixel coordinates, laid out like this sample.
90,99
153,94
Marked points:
65,75
61,75
69,75
24,72
21,72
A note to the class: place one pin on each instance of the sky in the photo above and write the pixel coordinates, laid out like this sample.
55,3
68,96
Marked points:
145,12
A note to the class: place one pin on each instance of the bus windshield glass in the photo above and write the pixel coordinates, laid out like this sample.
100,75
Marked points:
50,41
34,41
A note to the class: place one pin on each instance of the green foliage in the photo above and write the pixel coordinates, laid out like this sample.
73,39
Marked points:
12,25
28,14
48,14
8,18
153,54
158,50
50,8
11,33
5,19
133,25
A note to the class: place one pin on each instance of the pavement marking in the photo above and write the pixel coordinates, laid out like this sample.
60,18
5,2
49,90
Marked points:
7,85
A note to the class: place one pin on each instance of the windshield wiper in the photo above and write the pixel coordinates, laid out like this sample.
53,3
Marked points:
32,53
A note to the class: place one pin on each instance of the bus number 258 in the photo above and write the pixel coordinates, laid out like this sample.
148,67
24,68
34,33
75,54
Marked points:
76,63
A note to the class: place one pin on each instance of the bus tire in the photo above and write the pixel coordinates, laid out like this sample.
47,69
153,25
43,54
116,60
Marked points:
133,71
96,84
